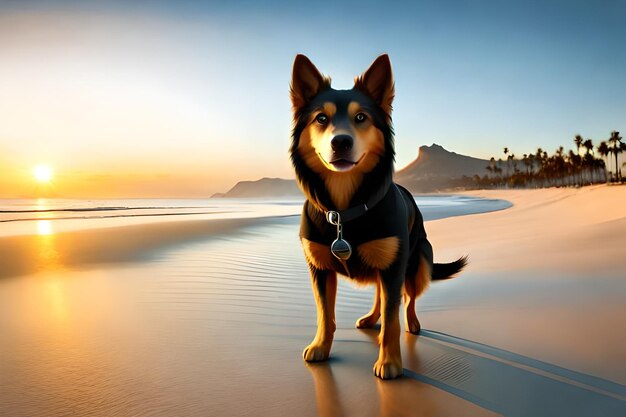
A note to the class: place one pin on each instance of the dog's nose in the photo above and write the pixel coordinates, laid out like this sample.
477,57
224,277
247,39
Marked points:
341,143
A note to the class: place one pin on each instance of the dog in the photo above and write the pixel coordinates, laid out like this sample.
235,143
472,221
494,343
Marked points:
356,221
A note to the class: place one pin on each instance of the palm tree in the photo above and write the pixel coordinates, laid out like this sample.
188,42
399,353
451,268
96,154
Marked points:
622,148
531,162
616,146
578,141
526,162
588,161
539,157
492,166
588,158
514,163
497,170
508,158
603,150
559,163
599,165
573,160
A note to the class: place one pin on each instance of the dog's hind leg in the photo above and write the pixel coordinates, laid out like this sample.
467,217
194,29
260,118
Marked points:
413,287
371,318
389,363
325,291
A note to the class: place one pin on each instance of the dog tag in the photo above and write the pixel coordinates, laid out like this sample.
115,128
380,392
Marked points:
340,248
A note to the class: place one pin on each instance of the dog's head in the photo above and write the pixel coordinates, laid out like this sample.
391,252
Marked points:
341,135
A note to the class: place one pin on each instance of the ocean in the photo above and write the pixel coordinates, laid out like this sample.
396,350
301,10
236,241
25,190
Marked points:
32,216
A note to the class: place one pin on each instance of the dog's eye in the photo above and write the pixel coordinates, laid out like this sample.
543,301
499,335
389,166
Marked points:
360,117
321,119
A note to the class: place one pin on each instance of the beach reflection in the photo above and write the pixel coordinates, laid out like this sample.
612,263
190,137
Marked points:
48,256
44,227
326,392
53,298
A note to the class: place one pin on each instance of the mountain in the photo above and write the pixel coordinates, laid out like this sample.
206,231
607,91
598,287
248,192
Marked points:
263,188
437,169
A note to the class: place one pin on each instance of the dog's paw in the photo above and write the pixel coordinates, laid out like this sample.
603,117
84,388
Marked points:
413,324
388,369
367,321
316,352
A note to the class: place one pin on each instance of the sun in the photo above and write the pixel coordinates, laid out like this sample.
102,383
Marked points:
43,173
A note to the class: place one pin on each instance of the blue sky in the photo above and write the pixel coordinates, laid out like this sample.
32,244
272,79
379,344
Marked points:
188,86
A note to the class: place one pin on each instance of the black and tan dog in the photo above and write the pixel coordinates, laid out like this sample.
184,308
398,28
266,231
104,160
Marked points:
356,221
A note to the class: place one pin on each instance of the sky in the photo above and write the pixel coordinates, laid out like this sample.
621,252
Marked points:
185,98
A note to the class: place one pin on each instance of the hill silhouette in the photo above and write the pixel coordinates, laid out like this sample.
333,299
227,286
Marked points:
435,169
263,188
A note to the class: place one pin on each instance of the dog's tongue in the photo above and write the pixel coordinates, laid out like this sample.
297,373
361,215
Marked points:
342,164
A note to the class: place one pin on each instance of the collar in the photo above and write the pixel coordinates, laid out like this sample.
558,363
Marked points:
337,217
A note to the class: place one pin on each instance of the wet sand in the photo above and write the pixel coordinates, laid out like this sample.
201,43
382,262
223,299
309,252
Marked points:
216,326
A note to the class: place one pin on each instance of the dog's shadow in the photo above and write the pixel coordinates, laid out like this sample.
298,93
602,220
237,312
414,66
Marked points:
391,393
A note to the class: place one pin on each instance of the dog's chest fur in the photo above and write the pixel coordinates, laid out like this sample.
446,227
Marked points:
378,254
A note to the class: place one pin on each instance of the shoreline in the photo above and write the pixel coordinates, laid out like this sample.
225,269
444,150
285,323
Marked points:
92,241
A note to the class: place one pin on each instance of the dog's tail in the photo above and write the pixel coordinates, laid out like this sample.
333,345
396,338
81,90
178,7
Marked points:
445,271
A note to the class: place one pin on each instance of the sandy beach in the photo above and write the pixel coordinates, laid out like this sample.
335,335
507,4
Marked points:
210,318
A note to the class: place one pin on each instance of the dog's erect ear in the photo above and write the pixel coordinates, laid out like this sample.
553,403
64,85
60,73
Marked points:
377,82
306,81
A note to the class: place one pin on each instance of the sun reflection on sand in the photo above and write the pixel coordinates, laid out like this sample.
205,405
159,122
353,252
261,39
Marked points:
48,256
47,253
49,260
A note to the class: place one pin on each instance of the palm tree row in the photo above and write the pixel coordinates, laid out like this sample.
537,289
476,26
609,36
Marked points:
571,168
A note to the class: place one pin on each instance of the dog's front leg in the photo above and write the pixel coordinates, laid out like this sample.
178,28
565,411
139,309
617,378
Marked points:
389,363
325,290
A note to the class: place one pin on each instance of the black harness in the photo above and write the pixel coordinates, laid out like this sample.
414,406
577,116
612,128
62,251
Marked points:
340,247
